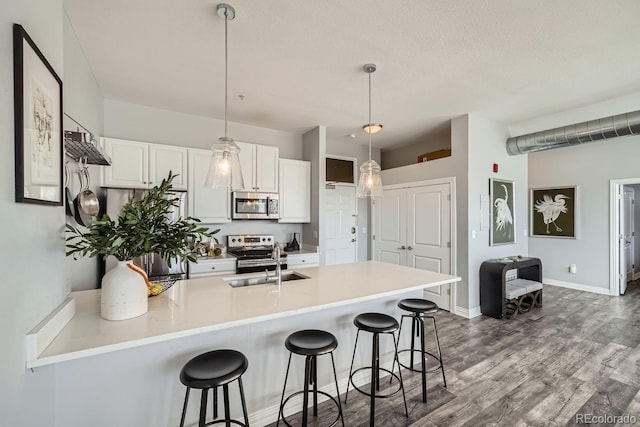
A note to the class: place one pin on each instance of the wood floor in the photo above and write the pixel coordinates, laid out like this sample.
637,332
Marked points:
579,354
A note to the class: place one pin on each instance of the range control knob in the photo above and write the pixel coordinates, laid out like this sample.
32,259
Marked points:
269,239
233,240
263,239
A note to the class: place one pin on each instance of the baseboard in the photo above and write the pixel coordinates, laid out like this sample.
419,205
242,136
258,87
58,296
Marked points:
467,313
576,286
269,415
636,276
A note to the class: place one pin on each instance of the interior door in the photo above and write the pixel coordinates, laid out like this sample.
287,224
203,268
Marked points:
628,233
341,224
429,235
391,227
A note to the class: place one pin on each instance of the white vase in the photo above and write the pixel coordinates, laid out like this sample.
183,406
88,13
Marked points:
124,293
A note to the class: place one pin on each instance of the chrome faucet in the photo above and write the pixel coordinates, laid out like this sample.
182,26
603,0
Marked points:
275,254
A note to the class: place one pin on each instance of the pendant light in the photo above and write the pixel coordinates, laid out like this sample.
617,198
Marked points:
370,183
224,168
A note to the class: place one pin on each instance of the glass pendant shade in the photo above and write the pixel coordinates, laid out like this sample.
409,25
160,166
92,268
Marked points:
224,168
370,182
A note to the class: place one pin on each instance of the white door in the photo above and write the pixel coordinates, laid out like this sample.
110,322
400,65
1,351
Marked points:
247,157
267,168
429,235
340,225
390,232
628,232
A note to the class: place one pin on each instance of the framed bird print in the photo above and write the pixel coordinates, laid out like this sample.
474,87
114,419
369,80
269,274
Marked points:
554,212
503,221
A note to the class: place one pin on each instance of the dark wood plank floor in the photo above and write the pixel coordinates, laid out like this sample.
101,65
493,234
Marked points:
579,354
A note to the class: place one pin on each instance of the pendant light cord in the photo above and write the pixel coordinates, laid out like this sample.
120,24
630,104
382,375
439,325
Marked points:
226,66
369,116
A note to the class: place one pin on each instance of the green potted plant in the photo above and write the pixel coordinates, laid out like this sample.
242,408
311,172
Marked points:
143,227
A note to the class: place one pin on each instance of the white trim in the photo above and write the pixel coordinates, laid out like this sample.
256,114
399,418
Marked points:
41,336
636,275
447,180
576,286
615,189
467,313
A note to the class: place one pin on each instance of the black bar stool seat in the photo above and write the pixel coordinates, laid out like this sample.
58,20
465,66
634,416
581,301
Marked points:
310,343
376,323
421,309
418,305
209,371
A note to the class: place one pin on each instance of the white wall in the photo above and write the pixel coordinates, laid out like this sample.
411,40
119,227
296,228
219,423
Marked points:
361,153
487,145
591,166
83,102
456,165
314,146
32,257
136,122
408,154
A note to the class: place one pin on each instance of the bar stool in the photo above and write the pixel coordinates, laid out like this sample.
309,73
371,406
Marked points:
209,371
376,323
421,309
310,343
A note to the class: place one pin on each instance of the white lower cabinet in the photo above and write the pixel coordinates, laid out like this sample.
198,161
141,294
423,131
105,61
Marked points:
211,206
212,267
298,261
295,191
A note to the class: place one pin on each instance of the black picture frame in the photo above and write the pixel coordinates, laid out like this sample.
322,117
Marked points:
503,218
553,212
38,115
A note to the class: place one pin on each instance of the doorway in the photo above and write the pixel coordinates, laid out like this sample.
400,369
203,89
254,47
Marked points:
414,225
623,245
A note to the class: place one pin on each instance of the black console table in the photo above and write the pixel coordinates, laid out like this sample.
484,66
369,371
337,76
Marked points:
492,282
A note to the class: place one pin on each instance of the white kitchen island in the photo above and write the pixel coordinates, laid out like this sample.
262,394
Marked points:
125,373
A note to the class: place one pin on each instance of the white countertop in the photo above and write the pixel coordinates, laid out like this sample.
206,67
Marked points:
207,304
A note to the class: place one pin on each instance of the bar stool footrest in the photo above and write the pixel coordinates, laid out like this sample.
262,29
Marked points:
417,350
284,420
236,422
366,393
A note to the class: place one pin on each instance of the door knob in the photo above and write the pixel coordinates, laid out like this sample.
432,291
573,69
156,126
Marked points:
353,240
402,247
410,248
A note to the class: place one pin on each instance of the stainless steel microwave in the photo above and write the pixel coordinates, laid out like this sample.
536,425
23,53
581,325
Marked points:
247,205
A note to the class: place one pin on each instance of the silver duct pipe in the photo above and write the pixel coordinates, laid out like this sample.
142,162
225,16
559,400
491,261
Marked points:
578,133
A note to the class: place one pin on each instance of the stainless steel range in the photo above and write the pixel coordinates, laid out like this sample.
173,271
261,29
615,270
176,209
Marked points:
254,253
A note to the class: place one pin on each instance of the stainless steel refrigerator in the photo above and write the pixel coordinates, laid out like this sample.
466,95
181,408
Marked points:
153,264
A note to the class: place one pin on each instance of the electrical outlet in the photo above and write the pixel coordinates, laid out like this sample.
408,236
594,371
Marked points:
573,269
364,230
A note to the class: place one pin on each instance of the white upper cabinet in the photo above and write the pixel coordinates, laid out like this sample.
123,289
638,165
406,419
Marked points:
295,191
165,158
143,165
259,165
209,205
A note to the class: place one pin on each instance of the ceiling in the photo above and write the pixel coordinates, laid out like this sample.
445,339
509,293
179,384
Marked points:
299,62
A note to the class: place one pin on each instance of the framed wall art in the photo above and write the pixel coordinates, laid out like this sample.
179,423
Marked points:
503,222
38,124
553,212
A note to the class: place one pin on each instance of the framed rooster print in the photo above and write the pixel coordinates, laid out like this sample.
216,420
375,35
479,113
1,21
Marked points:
553,212
503,221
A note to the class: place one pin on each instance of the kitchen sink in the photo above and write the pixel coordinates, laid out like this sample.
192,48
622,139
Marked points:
287,276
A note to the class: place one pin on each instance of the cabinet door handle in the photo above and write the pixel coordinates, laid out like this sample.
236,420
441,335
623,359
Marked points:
213,268
410,248
402,248
353,240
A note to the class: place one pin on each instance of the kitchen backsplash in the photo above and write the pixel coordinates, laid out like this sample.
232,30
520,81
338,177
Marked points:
282,232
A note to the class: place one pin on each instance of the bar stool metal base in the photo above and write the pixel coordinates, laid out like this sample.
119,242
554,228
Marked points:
418,330
310,343
376,324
